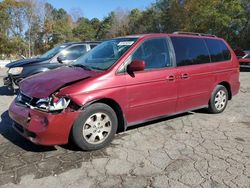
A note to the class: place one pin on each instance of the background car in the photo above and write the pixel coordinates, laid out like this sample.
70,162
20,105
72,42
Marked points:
58,56
239,52
245,61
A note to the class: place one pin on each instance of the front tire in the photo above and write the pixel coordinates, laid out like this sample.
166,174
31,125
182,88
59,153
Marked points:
95,128
219,99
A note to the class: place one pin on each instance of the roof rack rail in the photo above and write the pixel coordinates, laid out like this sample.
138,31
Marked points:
192,33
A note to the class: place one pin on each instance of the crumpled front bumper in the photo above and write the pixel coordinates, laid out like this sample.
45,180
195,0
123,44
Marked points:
41,127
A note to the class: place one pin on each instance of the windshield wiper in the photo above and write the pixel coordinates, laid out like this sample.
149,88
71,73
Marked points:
82,66
97,68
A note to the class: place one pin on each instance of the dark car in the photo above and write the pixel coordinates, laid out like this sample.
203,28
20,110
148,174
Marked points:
123,82
58,56
245,61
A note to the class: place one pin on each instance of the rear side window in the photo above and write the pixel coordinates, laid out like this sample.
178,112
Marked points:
190,51
218,50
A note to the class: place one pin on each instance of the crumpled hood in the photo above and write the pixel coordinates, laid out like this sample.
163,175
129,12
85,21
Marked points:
44,84
22,62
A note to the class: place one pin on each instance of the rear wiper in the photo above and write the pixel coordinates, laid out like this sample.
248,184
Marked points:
82,66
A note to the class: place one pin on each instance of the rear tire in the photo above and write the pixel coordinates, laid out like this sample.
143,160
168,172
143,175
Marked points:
95,128
219,99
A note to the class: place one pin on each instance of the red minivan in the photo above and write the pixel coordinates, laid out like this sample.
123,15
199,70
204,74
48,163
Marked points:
122,82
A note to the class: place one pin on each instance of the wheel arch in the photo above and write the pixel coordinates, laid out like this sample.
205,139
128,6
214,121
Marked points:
122,125
228,87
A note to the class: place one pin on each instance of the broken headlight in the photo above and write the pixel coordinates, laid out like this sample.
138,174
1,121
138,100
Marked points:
52,104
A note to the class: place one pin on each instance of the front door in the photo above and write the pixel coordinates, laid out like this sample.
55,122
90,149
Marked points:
153,92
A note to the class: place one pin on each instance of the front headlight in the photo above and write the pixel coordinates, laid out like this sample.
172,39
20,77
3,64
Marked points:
52,104
15,70
61,104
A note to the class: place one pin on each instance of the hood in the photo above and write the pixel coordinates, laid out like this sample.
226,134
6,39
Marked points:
244,60
22,62
44,84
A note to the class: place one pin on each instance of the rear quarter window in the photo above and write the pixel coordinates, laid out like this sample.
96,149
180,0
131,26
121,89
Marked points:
190,51
218,50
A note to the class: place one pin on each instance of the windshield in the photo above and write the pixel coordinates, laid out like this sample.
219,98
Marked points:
247,56
51,53
105,54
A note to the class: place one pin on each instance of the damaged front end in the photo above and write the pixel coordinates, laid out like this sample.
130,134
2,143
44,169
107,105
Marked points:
45,121
51,104
44,113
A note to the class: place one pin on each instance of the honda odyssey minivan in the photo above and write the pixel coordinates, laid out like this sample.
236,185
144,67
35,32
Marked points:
122,82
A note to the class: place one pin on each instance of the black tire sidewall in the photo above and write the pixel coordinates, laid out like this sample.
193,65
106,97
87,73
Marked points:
77,128
212,107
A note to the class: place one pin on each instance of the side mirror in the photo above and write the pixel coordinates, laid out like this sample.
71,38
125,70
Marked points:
136,65
60,59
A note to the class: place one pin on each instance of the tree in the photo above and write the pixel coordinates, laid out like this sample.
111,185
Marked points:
84,30
222,18
105,26
76,13
171,14
12,14
244,34
32,27
134,21
119,23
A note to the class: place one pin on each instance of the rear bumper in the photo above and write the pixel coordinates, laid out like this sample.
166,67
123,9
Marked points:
41,127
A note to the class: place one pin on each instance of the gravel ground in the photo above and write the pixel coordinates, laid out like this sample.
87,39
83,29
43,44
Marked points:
194,149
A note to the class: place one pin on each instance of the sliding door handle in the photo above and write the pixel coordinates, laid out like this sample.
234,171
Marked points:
184,76
171,78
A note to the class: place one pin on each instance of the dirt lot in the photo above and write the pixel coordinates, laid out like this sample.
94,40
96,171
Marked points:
194,149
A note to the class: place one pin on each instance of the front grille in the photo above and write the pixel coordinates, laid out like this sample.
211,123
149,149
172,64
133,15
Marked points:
24,131
19,127
244,63
24,99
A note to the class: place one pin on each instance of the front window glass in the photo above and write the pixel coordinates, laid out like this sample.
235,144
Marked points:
51,53
154,52
105,54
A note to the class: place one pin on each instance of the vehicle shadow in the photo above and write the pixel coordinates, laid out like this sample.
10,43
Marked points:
5,91
11,135
149,123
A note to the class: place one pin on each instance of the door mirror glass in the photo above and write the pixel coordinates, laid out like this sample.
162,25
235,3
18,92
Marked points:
60,59
136,65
